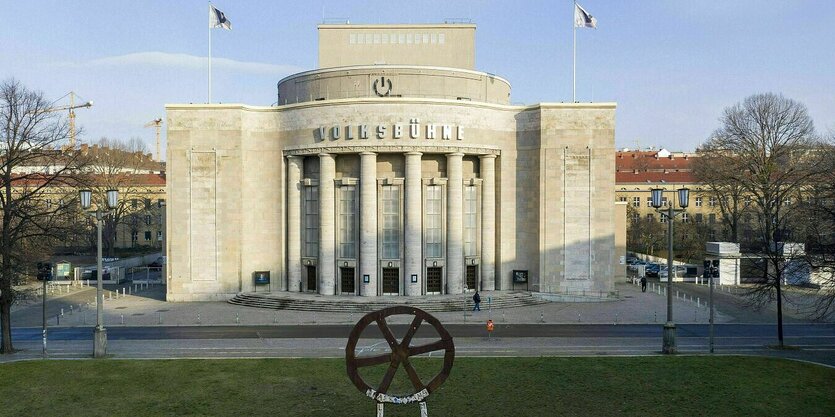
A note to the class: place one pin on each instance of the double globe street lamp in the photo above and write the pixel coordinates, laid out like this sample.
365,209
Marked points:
99,214
669,341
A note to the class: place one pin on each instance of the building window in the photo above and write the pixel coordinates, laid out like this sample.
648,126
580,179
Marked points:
649,201
624,199
650,217
159,235
470,220
747,201
391,222
636,201
711,218
134,237
787,201
347,221
711,202
311,221
684,218
148,219
147,235
664,202
433,239
698,218
698,201
662,218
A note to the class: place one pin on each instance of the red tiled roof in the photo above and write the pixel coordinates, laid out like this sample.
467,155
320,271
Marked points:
641,160
654,177
129,180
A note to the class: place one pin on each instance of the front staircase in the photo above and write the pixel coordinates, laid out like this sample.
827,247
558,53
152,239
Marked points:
353,304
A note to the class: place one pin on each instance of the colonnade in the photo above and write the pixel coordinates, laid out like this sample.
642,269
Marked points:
412,256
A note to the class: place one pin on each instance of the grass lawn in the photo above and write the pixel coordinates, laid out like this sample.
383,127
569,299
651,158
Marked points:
605,386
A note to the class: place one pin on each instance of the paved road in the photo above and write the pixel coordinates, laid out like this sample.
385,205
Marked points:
810,342
760,331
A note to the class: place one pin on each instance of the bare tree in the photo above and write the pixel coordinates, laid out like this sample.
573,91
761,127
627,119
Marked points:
644,235
766,150
820,232
30,135
713,170
117,164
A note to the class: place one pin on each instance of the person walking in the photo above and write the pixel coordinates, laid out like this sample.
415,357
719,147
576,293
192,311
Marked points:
477,301
643,284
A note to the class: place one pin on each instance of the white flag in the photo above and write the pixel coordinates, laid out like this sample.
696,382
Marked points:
218,20
582,19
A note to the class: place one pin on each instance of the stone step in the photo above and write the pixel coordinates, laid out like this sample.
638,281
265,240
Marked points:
344,304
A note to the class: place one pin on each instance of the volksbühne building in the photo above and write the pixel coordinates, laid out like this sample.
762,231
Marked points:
395,168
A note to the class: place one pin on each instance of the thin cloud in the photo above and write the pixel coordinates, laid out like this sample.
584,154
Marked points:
186,61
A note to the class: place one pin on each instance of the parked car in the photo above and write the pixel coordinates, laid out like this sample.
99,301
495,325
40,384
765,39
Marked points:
158,263
680,270
652,270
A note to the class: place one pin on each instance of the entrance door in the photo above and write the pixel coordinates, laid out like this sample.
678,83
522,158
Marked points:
391,281
311,278
347,279
433,280
472,272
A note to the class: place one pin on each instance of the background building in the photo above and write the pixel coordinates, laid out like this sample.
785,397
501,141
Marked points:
395,169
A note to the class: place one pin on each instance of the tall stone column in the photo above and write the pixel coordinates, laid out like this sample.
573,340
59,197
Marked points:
413,233
455,225
488,222
295,168
327,234
368,223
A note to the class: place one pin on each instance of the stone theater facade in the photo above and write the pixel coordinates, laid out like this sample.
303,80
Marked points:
393,169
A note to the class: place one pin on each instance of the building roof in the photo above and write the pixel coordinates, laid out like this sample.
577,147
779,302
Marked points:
124,180
654,167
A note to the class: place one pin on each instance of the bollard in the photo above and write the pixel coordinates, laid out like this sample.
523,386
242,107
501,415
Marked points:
698,302
85,317
676,294
122,319
57,320
237,318
159,317
198,317
616,319
578,317
62,311
71,309
87,282
109,296
503,319
352,317
542,317
655,319
275,317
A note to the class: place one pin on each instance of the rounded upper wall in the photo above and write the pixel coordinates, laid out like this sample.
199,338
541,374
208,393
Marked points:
393,81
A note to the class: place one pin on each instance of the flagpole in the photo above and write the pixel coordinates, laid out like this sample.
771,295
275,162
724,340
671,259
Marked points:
209,26
574,57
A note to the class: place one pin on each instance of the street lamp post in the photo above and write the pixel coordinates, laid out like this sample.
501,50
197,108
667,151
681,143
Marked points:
669,340
99,333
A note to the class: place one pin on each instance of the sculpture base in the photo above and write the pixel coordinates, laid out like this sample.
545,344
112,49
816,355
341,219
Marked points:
99,342
669,346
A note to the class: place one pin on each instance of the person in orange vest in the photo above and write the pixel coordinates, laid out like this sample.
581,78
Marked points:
489,325
477,301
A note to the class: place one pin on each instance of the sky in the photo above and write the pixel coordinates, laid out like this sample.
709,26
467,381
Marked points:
671,66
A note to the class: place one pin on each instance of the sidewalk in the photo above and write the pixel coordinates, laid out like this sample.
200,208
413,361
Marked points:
146,308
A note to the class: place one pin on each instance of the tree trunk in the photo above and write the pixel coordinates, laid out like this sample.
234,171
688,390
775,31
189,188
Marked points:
6,322
779,311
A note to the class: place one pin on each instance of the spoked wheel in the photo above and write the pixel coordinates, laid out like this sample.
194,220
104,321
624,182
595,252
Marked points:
399,354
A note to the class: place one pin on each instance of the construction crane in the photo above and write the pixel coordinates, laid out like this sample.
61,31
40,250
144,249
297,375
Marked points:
158,124
72,106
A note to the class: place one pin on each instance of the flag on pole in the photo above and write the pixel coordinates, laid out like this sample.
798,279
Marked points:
218,20
582,18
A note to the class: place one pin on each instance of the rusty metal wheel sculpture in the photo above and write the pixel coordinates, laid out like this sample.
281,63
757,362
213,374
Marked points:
399,355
